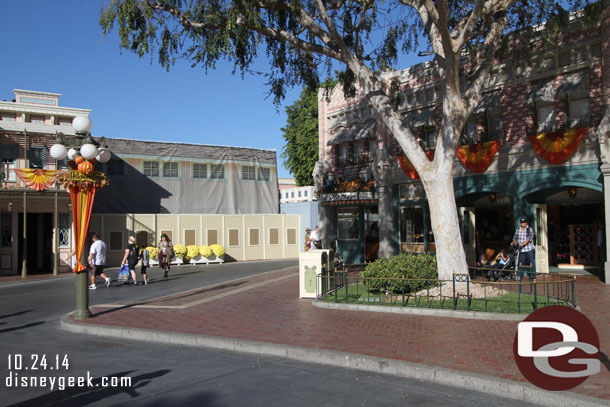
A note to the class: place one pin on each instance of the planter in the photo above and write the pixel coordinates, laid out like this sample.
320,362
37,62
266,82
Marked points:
177,261
207,260
153,262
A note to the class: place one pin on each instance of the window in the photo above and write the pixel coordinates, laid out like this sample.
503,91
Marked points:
170,169
114,167
299,193
248,172
233,237
342,155
358,153
372,149
6,229
189,237
470,135
579,112
305,193
8,154
291,236
347,223
37,119
292,194
411,221
38,157
116,241
217,171
143,239
264,174
429,138
546,118
494,127
200,170
274,236
64,230
151,168
212,236
7,117
169,234
254,238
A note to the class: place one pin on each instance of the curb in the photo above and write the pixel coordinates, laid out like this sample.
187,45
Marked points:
428,312
419,371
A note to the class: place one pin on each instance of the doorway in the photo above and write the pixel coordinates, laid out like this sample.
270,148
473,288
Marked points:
371,233
39,243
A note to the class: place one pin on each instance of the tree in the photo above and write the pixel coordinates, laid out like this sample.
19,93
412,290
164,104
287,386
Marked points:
302,38
300,152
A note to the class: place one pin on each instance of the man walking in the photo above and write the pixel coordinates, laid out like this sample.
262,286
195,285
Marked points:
524,236
97,260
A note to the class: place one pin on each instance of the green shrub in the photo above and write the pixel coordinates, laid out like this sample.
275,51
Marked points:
403,266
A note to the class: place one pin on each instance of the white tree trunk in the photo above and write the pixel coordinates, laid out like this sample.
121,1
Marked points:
450,255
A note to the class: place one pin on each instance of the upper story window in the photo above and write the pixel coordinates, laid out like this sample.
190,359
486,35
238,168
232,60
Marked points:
342,158
217,171
545,118
37,119
115,167
305,193
578,110
151,168
372,149
8,155
64,121
170,169
200,171
38,157
429,140
248,172
299,194
7,117
264,174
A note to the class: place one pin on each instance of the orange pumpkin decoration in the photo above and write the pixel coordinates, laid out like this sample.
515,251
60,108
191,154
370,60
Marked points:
79,159
85,167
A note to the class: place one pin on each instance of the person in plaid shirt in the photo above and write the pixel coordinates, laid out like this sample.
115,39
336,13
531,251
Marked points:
524,236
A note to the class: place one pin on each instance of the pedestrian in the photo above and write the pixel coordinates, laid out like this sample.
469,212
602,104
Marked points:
524,237
307,242
145,256
97,260
501,262
314,239
132,254
166,252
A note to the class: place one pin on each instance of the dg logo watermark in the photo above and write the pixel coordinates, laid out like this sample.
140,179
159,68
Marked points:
557,348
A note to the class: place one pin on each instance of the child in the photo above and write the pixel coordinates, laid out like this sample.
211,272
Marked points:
501,261
145,256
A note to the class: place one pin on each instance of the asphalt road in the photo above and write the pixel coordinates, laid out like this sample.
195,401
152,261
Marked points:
163,374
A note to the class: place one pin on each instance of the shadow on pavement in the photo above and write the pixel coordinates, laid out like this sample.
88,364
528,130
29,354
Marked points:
82,396
16,328
205,290
604,359
15,314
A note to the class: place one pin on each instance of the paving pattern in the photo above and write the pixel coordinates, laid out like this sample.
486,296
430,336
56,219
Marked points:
266,308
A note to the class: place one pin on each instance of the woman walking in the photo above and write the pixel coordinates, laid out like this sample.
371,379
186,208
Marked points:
166,252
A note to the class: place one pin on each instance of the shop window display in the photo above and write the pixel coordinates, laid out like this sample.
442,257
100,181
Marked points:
347,223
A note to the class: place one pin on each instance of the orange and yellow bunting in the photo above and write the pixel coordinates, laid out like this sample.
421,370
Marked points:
557,147
37,179
82,203
478,157
408,168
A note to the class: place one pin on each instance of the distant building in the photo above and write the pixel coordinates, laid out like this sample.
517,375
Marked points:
290,193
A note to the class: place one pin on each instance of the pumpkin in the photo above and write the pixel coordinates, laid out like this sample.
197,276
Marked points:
85,167
79,159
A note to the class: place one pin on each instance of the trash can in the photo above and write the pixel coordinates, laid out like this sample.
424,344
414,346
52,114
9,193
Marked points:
311,264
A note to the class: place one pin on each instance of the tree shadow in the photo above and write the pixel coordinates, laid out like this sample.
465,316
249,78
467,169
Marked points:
205,290
16,328
82,396
605,361
15,314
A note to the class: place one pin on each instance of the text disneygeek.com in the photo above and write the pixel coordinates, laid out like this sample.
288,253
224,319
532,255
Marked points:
19,366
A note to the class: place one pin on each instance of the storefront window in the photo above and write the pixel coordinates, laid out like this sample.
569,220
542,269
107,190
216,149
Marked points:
347,223
412,225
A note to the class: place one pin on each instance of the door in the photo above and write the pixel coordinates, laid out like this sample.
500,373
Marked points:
542,238
469,239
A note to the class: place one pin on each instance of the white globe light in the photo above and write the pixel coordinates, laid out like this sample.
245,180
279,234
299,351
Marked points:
88,151
72,153
82,124
103,155
58,151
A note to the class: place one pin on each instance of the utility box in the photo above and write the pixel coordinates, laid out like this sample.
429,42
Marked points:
311,264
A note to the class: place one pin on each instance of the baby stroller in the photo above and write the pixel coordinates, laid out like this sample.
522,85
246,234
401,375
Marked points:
510,270
339,263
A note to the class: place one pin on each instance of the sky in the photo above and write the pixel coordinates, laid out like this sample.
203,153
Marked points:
57,46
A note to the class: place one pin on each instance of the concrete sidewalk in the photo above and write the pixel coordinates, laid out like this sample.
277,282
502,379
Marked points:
262,314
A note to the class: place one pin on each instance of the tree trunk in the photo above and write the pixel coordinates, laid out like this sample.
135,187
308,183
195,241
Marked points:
450,255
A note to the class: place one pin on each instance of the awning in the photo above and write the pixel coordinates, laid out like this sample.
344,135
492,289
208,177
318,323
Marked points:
541,91
367,130
344,136
575,85
489,102
424,119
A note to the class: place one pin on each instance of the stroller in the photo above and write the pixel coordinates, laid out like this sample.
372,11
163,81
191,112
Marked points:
510,270
339,263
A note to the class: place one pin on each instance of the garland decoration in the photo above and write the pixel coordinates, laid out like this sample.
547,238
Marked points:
557,147
408,168
37,179
478,157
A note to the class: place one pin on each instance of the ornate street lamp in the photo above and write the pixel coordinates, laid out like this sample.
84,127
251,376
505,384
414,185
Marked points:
82,181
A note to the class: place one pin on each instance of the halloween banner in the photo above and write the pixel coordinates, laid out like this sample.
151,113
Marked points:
37,179
557,147
82,203
478,157
408,168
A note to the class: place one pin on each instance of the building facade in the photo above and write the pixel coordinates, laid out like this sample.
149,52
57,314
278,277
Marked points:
553,101
155,187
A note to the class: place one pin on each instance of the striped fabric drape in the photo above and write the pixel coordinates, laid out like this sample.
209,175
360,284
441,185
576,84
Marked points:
82,203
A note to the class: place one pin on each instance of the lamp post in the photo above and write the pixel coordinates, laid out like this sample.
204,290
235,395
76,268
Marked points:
82,181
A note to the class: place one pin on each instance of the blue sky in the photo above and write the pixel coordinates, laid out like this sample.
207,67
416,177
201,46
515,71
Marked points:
56,46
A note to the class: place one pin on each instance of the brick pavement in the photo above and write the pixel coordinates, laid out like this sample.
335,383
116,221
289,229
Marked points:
272,313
